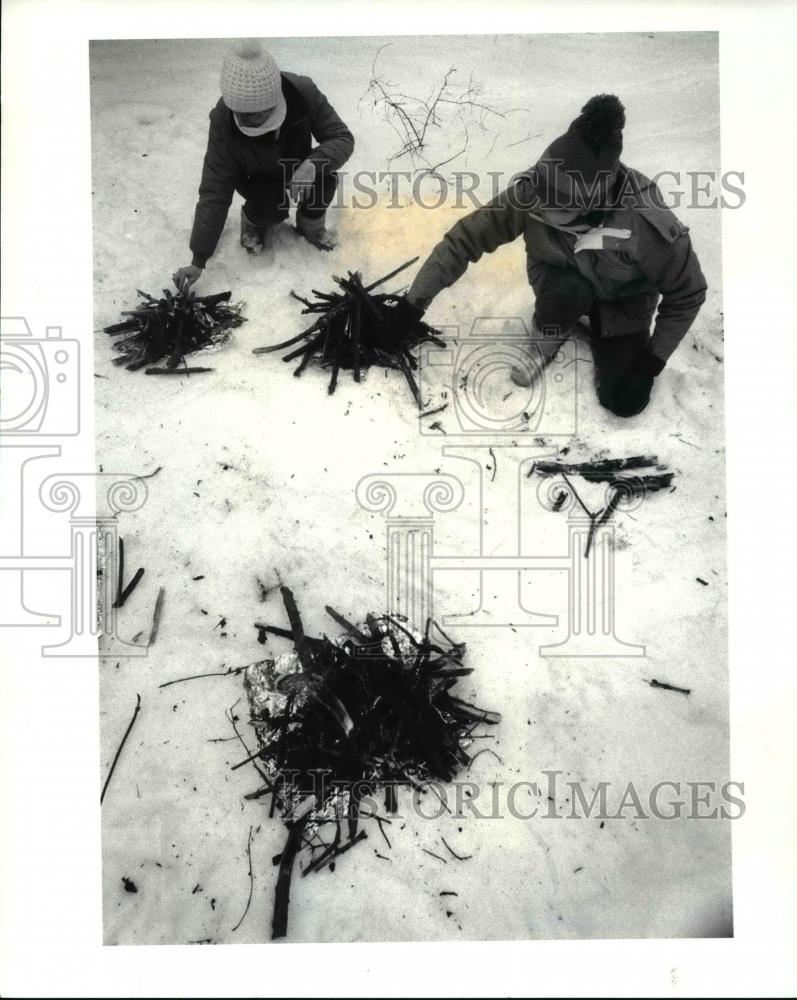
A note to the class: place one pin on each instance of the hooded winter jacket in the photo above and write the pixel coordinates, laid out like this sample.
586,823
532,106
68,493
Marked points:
232,156
651,264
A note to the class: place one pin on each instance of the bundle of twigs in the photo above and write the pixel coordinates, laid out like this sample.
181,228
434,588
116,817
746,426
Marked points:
623,471
171,328
356,329
628,478
369,711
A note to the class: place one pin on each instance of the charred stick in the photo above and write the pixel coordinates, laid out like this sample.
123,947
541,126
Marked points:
305,302
282,897
170,371
356,322
387,277
120,601
410,379
306,348
597,468
345,623
669,687
120,577
431,413
302,650
120,748
209,301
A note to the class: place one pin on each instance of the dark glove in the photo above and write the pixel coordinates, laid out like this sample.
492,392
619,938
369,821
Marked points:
630,393
405,315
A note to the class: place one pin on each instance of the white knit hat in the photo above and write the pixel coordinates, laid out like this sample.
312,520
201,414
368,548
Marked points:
250,81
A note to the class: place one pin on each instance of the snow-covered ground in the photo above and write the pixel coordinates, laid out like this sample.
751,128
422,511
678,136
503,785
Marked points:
259,472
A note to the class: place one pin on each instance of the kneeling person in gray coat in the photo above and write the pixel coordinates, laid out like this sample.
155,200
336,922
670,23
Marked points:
599,243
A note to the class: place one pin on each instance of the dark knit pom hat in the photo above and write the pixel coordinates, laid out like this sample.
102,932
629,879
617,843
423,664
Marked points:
579,168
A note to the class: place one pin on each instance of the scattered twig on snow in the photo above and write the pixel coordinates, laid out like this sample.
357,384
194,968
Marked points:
431,413
433,855
251,882
453,853
495,464
486,750
177,371
120,575
122,593
149,475
129,588
212,673
156,615
668,687
136,710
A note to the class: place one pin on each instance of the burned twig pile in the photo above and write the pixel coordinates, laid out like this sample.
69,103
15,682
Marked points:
356,329
338,720
171,328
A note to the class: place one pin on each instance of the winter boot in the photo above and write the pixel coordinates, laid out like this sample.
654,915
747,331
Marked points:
315,231
252,236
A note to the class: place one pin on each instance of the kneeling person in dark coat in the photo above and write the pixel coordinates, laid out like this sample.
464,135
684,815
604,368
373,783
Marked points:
261,145
599,244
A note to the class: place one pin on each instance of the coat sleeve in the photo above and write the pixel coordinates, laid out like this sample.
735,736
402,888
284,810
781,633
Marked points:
219,173
335,141
483,231
675,271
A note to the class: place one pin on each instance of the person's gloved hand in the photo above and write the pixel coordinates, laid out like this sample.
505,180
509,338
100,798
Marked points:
302,181
630,394
184,277
406,315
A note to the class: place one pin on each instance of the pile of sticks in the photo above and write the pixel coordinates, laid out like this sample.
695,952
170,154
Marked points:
356,329
171,328
622,471
629,479
371,711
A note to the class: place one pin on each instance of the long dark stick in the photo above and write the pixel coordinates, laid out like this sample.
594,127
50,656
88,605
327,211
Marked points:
387,277
282,895
119,588
176,371
121,746
604,465
668,687
120,601
299,640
